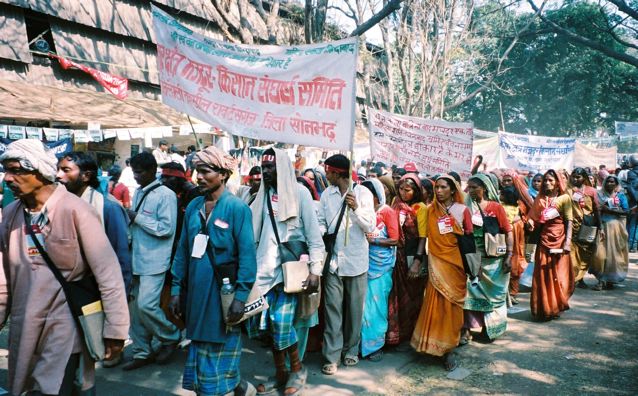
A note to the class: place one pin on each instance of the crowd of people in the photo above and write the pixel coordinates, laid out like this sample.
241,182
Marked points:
391,258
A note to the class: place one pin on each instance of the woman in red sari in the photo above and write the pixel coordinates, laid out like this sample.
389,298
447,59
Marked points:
408,281
553,281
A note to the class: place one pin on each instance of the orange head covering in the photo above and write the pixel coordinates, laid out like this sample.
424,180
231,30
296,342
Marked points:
537,208
457,197
520,186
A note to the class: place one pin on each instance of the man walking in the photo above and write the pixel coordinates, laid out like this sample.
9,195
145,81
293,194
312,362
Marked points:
283,211
152,231
345,281
217,231
47,354
78,173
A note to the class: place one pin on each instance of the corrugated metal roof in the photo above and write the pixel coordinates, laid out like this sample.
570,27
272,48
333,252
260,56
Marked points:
26,101
121,56
14,43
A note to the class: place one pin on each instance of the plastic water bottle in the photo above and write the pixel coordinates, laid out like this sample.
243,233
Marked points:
227,288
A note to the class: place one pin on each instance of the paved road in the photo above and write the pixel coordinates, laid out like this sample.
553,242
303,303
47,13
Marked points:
591,349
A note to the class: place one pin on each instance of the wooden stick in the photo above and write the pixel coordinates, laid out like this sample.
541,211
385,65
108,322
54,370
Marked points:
199,145
345,241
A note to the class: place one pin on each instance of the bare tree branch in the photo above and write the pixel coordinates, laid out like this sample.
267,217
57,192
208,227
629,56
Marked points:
389,8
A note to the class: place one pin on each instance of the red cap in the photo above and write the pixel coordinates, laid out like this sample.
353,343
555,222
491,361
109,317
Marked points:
410,167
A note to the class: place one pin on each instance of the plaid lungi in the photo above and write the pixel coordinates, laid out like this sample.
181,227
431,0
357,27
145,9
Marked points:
212,368
278,320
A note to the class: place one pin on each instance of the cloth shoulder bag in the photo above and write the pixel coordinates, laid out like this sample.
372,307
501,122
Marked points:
587,232
83,298
470,256
495,241
295,271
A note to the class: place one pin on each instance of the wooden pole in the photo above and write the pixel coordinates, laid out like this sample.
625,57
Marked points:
199,145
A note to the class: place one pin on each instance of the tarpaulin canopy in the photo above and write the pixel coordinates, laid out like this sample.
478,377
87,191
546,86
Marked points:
23,101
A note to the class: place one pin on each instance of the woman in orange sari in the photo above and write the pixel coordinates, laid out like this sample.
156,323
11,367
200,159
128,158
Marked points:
438,328
553,281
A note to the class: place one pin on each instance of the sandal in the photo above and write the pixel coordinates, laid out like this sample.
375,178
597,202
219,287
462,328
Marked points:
329,368
449,362
296,380
244,386
375,356
350,361
466,337
270,385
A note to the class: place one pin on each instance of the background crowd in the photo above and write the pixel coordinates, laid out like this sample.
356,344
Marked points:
392,258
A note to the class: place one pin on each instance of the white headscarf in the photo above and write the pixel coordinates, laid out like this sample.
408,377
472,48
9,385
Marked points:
33,155
378,186
287,191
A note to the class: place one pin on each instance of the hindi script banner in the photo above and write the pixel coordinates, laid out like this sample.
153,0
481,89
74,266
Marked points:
434,146
537,153
299,95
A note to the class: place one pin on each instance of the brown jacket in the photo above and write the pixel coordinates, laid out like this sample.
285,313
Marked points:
42,333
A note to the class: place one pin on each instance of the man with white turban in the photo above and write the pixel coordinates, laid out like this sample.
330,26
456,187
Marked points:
47,354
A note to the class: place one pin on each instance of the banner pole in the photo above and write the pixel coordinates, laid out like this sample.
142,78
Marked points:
199,145
354,128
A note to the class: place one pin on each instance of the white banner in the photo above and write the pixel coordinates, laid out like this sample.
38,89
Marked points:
624,128
538,153
588,156
299,95
488,148
434,146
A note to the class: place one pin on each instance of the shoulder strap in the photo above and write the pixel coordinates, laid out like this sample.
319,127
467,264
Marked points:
139,204
343,210
272,217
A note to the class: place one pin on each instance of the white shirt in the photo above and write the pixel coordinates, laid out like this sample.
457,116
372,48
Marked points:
351,259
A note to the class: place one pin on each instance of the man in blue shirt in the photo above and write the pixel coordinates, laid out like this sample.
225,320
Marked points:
217,227
153,221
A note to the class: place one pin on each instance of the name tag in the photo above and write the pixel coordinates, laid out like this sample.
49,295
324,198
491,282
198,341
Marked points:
32,248
199,245
477,219
577,196
221,224
446,225
549,213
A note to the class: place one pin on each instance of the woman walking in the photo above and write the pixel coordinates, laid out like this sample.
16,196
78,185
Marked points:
383,241
438,328
408,281
612,265
485,304
553,280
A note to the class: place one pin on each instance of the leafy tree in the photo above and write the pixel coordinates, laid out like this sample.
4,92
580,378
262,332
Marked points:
554,86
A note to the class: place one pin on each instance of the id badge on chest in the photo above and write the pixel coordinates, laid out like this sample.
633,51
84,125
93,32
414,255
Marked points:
199,245
477,219
577,196
550,213
32,248
446,225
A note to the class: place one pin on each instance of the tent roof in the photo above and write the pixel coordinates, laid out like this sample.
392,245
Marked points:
24,101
